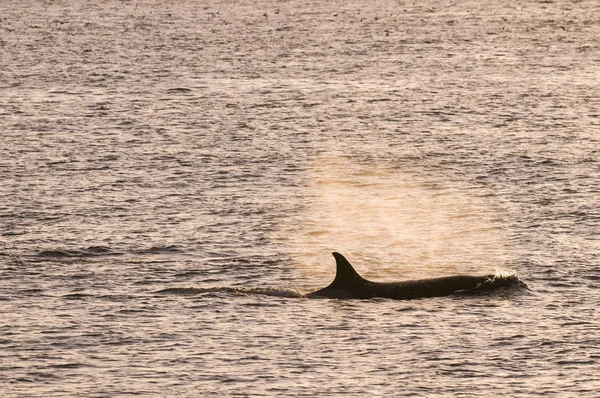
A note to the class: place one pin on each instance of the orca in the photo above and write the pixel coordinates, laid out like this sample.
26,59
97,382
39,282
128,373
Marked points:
349,284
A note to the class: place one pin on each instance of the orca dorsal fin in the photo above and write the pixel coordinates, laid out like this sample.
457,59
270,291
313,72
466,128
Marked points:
345,273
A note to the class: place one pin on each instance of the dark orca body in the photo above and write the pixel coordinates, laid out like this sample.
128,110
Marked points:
349,284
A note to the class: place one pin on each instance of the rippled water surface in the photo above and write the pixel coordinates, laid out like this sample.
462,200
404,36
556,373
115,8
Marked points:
175,175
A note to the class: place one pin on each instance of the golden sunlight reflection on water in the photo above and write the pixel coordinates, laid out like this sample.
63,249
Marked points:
391,224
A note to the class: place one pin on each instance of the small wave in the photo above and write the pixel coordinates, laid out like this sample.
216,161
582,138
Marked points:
97,251
264,291
64,92
92,251
179,90
100,250
77,296
68,365
161,249
58,253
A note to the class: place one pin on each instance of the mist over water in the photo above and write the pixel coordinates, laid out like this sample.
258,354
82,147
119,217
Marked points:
393,223
174,176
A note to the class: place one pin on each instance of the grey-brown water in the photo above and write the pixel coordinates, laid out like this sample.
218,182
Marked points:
227,148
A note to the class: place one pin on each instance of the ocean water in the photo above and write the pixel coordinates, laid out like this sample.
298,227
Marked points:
174,176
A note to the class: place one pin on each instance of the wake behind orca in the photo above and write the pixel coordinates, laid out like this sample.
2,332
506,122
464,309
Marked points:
349,284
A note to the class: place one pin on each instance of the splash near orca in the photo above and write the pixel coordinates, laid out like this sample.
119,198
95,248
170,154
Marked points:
349,284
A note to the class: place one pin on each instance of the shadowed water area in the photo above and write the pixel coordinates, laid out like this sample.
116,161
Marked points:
174,176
